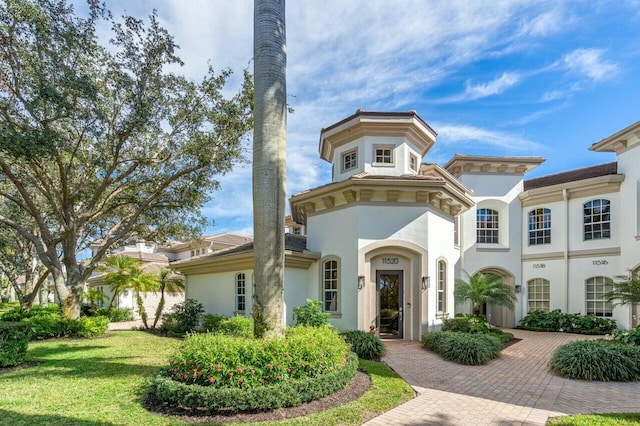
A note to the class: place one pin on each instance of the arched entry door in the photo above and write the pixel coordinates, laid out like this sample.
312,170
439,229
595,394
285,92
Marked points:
500,316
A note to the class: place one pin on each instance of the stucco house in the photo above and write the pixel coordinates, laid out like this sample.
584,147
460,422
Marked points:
382,243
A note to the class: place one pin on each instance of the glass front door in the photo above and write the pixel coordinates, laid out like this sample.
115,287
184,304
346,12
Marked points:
390,313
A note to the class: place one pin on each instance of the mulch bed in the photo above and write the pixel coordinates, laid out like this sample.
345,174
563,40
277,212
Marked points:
354,390
511,342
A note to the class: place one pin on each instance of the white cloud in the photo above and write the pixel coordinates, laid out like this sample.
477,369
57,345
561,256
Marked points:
490,88
589,63
466,135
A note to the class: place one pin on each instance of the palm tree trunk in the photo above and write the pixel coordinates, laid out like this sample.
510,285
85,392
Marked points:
159,308
141,310
269,165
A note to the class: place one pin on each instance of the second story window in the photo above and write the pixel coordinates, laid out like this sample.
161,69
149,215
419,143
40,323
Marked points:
349,160
539,227
487,226
413,162
597,219
383,155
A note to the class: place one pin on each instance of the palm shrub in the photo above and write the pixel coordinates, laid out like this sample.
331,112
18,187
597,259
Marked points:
484,288
217,372
463,348
599,360
311,314
365,345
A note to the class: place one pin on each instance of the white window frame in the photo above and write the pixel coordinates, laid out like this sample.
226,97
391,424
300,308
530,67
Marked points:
595,290
413,162
538,294
383,156
441,287
489,233
539,228
330,284
596,222
353,163
241,291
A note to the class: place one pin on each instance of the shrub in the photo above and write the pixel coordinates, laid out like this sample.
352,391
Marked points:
115,314
463,348
213,371
311,314
14,339
364,344
569,323
53,326
631,337
503,336
16,314
599,360
183,319
467,324
91,326
237,325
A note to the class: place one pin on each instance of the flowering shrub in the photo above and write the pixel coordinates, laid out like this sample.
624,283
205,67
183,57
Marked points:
206,362
568,323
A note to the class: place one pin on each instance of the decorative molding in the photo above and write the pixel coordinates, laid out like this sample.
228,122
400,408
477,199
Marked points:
492,249
553,255
577,189
609,251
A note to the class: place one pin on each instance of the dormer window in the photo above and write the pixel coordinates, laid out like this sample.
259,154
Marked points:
413,162
349,160
383,155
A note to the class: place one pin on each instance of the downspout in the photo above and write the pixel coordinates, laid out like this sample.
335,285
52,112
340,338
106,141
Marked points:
565,197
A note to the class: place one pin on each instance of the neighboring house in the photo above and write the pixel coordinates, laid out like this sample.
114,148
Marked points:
156,257
387,237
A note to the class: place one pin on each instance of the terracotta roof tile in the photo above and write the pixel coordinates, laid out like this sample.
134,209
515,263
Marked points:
572,175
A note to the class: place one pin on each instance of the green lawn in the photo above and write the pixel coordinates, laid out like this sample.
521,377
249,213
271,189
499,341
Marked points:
597,420
99,382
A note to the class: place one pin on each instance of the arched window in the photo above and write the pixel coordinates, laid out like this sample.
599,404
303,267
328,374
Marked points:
539,226
487,226
330,285
597,219
442,287
241,288
538,294
597,288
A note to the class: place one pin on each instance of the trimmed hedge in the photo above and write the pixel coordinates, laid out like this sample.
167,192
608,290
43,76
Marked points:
463,348
598,360
568,323
14,339
217,372
365,345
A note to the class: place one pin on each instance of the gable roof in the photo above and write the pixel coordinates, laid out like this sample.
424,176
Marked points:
572,175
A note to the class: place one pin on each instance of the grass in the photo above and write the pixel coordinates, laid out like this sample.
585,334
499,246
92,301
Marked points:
100,382
627,419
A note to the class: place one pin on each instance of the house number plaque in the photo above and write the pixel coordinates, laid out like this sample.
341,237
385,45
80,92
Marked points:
390,260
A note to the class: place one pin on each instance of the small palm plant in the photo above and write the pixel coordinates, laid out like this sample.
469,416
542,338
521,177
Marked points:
625,291
169,282
484,288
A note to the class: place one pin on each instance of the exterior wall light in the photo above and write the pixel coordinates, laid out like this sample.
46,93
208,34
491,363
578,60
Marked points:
360,282
518,288
426,283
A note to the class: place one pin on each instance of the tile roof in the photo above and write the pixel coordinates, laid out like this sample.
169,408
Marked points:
295,243
572,175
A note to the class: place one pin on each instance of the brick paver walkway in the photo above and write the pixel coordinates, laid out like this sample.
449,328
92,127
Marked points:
514,389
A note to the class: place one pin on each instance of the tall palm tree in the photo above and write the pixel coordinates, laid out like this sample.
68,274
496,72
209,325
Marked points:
169,283
269,166
484,288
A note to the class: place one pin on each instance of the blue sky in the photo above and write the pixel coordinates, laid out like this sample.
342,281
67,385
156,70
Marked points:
492,77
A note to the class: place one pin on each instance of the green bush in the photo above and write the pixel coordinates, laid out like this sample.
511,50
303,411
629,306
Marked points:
47,326
91,326
631,337
463,348
237,325
115,314
14,339
365,345
184,318
467,324
503,336
213,371
311,314
600,360
568,323
16,314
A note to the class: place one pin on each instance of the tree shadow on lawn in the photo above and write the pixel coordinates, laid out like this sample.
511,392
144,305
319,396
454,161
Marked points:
14,418
36,351
94,367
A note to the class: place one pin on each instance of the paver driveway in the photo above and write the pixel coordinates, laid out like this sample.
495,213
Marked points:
516,388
